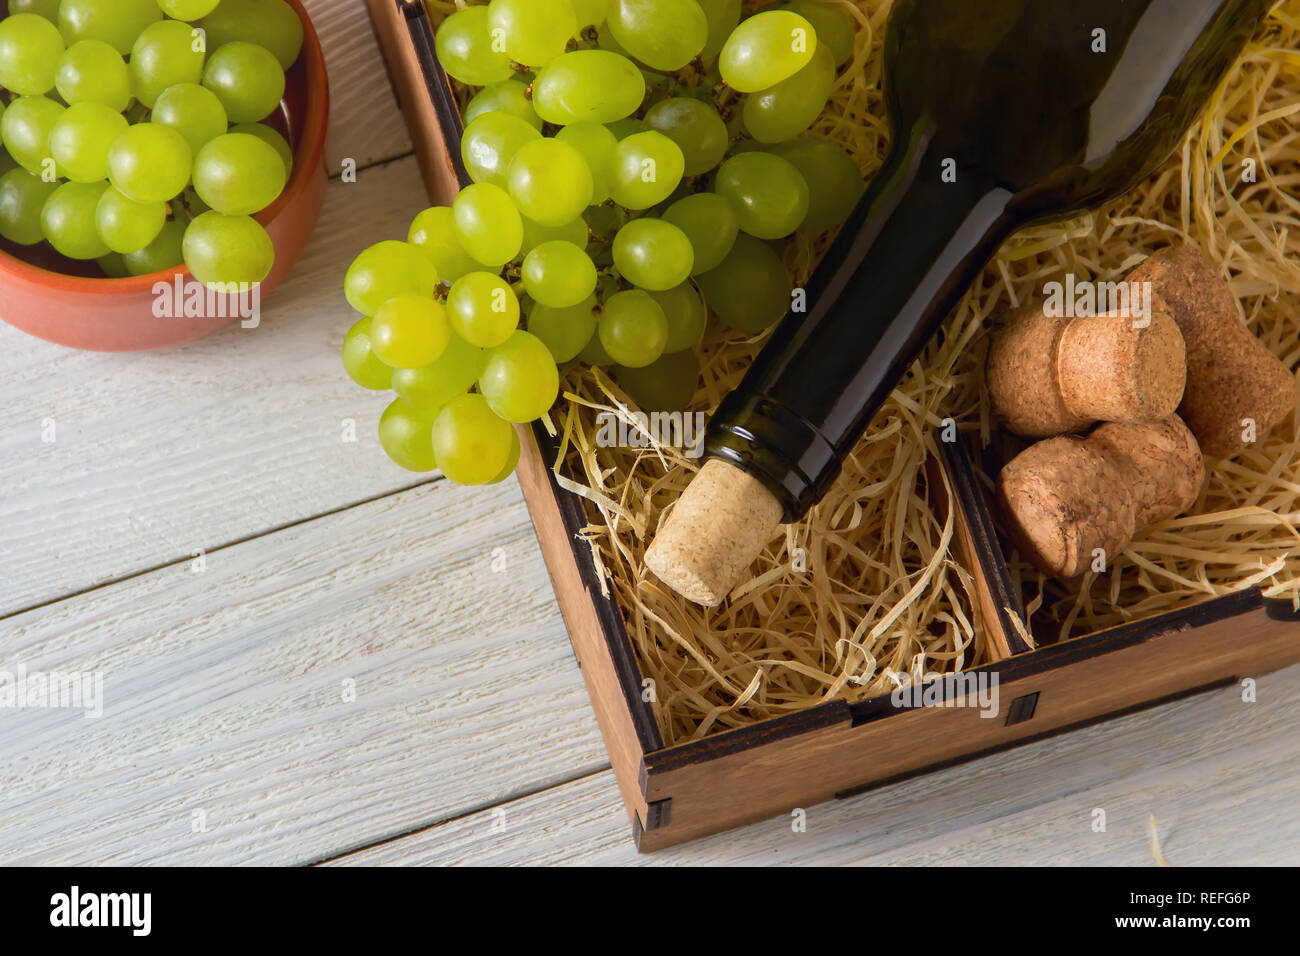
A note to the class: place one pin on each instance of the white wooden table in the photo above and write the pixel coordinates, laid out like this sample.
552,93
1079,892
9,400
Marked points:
308,657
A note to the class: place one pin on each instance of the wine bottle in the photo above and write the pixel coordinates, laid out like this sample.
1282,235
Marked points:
1005,113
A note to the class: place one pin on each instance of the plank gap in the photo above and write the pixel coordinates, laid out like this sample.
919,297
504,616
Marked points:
456,817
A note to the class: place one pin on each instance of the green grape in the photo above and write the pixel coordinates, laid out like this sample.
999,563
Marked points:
238,175
247,79
7,162
559,274
22,197
409,331
483,309
165,252
786,110
406,435
696,127
126,225
833,26
68,220
665,385
452,373
686,314
633,328
387,269
710,223
751,289
722,16
225,250
834,180
574,232
594,354
49,9
653,254
91,71
645,169
360,362
534,33
511,462
591,13
113,266
466,49
272,24
519,379
472,443
769,194
594,86
271,138
195,112
163,56
150,163
434,233
663,34
508,96
491,142
188,9
567,331
30,50
624,128
604,222
193,205
550,182
488,225
596,145
81,137
25,128
765,49
116,22
605,39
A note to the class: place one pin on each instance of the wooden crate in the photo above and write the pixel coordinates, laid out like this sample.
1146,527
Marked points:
674,794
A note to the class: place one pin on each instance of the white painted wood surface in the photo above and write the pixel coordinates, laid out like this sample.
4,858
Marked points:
228,735
1218,775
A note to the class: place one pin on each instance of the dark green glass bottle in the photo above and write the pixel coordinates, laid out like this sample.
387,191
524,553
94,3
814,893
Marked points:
1005,113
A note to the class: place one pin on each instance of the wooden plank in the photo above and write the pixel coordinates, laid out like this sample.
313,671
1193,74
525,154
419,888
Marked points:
159,454
1219,776
366,126
225,692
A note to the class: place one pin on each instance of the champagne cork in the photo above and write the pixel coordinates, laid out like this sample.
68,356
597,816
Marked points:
714,533
1050,375
1236,388
1067,498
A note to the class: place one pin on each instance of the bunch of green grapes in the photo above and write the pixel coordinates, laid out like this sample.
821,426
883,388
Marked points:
127,142
622,192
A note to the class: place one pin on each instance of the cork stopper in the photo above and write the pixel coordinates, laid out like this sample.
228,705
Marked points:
718,527
1068,497
1050,375
1237,390
1119,369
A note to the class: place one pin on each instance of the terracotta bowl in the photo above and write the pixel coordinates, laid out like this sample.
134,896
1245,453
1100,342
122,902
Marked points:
70,303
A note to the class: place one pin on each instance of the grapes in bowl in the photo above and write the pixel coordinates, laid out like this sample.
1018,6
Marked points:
161,164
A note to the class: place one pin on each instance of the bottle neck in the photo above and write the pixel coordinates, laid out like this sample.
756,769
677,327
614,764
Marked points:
916,241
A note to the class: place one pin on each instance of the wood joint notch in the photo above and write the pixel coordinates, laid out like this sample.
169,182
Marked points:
1022,709
656,818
